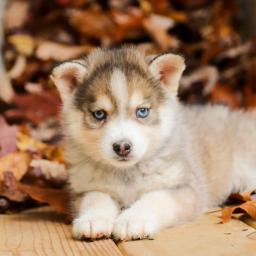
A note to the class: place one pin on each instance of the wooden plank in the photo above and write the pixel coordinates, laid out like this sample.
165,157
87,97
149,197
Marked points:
206,236
41,232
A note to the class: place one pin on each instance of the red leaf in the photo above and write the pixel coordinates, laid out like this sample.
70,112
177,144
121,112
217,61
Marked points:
35,107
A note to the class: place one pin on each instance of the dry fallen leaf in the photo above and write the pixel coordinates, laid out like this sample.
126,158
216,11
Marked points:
35,107
247,204
129,23
92,23
16,162
57,198
10,190
248,207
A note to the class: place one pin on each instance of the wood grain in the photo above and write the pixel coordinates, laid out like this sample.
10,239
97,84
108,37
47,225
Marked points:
206,236
41,232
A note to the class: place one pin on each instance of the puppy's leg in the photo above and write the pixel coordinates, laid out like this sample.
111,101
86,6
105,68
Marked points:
156,210
97,213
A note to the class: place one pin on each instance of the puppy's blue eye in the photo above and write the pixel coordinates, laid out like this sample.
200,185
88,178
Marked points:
99,115
142,112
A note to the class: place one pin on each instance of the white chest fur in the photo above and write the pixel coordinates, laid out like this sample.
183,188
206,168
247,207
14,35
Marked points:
127,185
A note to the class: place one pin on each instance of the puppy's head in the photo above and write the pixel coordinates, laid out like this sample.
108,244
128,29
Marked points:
118,105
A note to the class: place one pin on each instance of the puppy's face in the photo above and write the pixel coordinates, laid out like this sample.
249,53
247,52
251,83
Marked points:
122,108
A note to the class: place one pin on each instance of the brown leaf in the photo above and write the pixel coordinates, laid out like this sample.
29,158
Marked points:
9,188
35,107
93,23
248,207
129,23
7,138
16,163
57,198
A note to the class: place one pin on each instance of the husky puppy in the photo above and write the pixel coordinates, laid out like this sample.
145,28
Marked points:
139,160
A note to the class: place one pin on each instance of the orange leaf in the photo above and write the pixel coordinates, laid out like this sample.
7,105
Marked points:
248,207
16,162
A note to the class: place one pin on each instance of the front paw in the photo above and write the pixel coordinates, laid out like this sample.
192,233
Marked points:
135,225
92,227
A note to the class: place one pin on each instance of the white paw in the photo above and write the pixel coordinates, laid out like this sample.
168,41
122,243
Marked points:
91,227
132,225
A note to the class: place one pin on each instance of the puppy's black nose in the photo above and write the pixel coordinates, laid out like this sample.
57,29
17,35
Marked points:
122,148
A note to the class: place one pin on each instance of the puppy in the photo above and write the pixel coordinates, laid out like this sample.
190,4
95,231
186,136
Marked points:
139,160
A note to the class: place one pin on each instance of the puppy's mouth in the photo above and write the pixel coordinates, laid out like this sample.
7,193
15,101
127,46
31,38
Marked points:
128,160
123,159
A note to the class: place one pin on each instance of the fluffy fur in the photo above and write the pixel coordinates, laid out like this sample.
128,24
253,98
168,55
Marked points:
183,159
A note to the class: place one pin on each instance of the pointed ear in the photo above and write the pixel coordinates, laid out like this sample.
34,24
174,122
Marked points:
67,76
167,68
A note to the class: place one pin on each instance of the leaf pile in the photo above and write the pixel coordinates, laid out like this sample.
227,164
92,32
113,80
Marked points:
30,169
39,34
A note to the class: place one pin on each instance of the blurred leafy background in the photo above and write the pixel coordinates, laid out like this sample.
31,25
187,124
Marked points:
215,37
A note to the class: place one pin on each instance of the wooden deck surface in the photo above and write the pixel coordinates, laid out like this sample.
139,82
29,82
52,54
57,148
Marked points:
42,232
204,237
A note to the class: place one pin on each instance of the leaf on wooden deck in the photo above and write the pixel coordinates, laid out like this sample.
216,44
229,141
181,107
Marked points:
247,206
